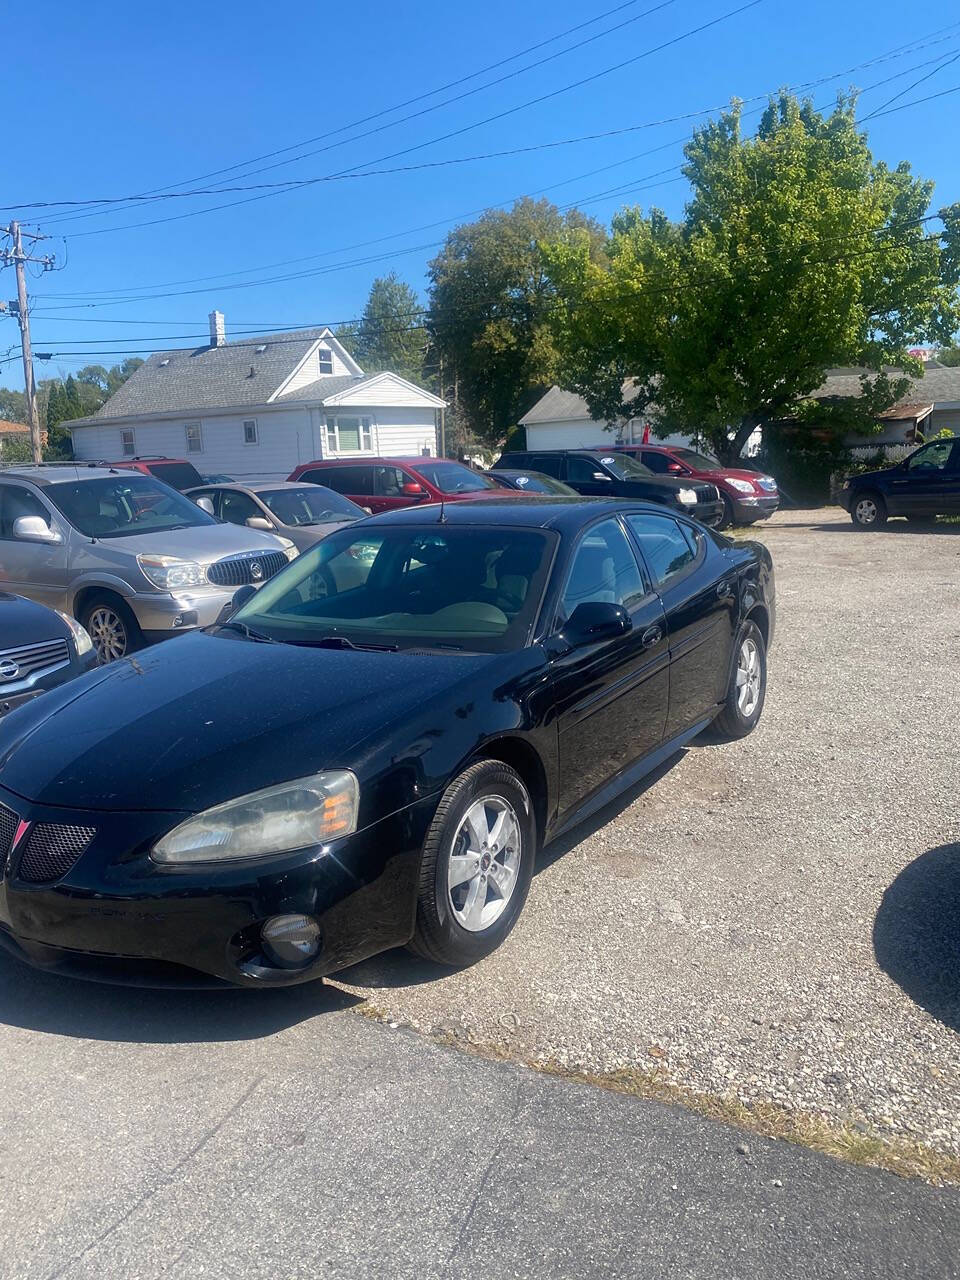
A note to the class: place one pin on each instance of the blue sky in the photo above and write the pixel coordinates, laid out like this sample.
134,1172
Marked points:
123,99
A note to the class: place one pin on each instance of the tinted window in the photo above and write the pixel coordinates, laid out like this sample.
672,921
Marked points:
585,471
119,506
548,463
604,568
933,457
453,477
181,475
624,467
475,588
699,461
535,482
658,462
343,479
313,504
15,501
669,547
237,508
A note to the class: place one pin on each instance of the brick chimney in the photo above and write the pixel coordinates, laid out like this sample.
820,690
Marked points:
218,331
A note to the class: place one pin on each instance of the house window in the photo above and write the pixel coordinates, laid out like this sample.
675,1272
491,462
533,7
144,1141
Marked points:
128,445
194,437
250,435
325,358
348,434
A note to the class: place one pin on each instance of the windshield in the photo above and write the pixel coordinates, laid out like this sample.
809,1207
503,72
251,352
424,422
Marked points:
699,461
119,506
624,467
537,482
313,504
453,477
475,588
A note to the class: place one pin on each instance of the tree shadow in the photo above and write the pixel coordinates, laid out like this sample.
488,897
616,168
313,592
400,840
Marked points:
894,525
916,933
42,1001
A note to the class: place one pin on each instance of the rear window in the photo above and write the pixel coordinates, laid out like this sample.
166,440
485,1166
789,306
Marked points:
179,475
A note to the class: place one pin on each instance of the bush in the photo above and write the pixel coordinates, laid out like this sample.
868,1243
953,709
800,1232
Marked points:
804,466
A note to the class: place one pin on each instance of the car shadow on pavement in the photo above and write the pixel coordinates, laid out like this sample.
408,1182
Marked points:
40,1001
916,933
915,528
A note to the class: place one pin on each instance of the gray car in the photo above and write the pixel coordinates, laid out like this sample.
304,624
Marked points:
304,513
127,556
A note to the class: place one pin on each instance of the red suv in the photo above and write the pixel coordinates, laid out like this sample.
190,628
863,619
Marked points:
747,496
383,484
176,472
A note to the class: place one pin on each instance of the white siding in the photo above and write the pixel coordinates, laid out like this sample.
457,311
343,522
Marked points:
940,419
397,432
585,433
309,372
389,392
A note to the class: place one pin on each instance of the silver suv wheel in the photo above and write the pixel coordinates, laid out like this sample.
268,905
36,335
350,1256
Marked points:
108,631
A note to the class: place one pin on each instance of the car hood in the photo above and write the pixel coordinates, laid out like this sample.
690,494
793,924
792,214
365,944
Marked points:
202,543
868,477
730,473
23,622
207,717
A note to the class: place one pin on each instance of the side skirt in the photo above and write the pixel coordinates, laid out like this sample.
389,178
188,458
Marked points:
628,778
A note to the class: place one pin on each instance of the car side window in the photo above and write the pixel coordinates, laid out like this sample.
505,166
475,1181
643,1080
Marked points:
389,481
604,568
548,463
668,546
15,501
584,470
935,457
237,508
343,479
658,462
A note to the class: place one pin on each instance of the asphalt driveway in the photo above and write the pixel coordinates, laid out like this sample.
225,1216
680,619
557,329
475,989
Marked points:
778,919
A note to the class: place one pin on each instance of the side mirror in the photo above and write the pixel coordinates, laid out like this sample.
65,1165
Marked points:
412,489
595,620
36,529
368,510
205,504
241,596
259,522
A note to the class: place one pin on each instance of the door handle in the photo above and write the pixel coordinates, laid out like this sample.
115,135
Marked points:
652,635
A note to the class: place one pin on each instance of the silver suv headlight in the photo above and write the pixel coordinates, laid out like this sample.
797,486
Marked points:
289,548
169,572
293,815
81,640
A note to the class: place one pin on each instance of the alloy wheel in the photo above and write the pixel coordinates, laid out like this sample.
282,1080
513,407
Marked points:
108,633
749,674
484,862
866,511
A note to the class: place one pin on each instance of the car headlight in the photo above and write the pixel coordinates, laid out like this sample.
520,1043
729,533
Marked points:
289,548
81,640
741,486
687,495
294,815
170,572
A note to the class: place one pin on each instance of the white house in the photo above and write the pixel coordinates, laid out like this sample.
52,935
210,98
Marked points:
561,420
257,407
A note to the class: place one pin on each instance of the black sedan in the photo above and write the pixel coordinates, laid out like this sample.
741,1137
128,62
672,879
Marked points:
374,746
39,650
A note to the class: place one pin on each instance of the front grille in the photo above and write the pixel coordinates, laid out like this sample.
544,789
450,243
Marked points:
707,493
51,851
29,659
8,828
251,567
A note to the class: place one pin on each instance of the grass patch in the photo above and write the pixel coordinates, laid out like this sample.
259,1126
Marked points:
857,1146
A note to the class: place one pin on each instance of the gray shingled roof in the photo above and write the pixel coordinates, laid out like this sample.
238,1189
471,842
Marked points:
566,406
940,384
214,377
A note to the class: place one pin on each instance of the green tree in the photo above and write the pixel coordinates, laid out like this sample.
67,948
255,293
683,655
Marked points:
949,356
490,301
797,252
389,335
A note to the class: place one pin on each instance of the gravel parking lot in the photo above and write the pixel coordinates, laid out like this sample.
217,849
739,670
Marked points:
777,919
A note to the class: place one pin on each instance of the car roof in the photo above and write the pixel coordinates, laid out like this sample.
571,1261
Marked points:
59,473
367,461
597,452
257,486
518,509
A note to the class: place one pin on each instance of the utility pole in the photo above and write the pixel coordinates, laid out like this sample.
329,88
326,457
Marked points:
443,422
17,256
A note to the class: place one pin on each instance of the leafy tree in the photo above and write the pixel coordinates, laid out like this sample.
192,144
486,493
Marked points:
490,301
13,405
797,252
949,355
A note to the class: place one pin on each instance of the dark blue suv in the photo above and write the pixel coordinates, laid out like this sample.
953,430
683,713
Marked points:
925,485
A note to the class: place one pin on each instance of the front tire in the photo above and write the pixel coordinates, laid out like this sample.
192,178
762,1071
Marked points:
868,510
477,866
112,627
747,690
726,520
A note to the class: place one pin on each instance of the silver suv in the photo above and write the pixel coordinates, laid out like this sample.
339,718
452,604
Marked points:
127,556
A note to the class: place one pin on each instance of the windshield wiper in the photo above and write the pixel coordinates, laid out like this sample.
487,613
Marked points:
249,632
342,642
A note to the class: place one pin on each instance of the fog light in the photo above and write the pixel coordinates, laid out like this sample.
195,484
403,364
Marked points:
291,941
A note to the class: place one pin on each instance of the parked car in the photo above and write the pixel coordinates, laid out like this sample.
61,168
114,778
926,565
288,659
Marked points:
747,495
531,482
922,486
304,513
40,648
370,751
176,472
602,473
384,484
127,556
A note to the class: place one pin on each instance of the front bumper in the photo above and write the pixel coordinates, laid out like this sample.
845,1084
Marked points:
117,916
747,510
161,613
708,513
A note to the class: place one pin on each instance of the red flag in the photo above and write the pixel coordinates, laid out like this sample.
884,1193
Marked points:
646,433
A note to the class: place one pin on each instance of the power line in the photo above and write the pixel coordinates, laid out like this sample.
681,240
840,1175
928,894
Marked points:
879,110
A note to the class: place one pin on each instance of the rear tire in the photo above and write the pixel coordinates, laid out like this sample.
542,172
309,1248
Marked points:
747,690
868,510
477,866
112,627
